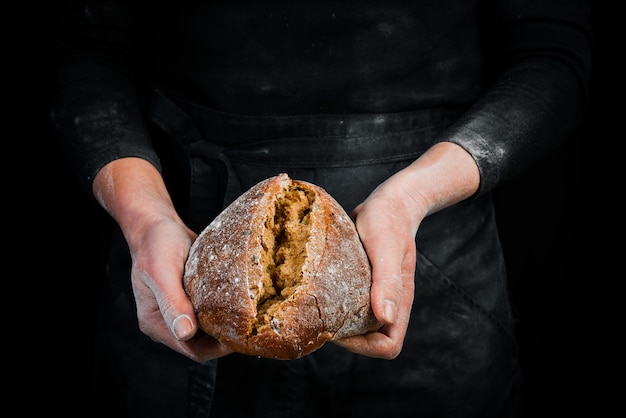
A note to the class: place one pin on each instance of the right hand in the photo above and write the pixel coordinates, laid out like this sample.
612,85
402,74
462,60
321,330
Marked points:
164,311
133,192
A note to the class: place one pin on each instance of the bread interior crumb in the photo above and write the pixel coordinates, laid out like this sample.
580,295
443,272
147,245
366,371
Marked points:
284,241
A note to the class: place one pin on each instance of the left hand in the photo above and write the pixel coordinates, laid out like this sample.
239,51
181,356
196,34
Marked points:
387,222
389,241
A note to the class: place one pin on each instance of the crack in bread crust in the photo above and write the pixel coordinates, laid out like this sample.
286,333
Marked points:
285,234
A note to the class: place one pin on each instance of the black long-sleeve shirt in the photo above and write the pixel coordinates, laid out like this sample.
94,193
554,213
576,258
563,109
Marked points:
519,68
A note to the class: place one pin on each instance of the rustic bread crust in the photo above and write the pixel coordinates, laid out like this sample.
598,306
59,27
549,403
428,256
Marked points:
281,236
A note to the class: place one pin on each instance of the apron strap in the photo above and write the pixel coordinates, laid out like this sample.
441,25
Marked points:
168,116
172,119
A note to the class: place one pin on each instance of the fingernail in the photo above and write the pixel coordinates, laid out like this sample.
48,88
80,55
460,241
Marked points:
389,312
182,327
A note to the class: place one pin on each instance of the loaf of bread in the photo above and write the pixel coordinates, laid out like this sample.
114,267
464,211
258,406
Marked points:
280,272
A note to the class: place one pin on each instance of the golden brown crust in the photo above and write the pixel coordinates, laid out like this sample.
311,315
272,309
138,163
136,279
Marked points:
290,248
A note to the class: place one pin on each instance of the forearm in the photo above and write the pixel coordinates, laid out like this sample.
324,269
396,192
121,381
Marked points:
132,191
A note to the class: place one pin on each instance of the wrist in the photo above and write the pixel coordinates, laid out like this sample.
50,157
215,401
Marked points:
444,175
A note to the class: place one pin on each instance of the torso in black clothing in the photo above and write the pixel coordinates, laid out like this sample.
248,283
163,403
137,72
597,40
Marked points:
306,57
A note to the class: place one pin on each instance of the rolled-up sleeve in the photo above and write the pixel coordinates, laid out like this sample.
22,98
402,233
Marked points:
541,53
95,105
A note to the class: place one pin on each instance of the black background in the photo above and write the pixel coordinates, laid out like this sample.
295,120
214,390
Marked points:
549,234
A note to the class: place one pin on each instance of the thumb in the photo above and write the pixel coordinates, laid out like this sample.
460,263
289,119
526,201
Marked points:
386,283
178,313
182,327
173,305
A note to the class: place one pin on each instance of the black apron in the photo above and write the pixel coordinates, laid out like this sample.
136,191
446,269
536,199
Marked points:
459,357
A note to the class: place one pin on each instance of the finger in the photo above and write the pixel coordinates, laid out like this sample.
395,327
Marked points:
384,241
202,348
386,291
385,344
169,300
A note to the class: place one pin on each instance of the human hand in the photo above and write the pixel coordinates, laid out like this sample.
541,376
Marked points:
387,225
387,222
164,311
133,192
